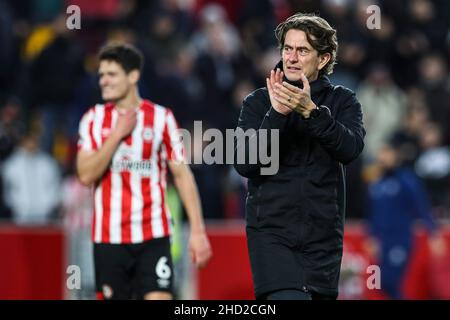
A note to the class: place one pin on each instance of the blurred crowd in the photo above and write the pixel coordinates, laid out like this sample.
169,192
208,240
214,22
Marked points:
202,58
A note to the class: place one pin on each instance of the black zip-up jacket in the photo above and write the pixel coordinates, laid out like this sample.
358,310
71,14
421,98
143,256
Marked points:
303,204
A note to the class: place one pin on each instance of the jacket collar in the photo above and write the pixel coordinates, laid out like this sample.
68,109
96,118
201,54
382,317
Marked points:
317,86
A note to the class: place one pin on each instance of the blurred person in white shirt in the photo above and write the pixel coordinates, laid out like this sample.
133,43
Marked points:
31,182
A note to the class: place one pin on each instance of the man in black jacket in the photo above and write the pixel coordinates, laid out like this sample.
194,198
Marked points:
295,218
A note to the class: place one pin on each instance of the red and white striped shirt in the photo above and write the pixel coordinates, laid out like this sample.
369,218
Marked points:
129,200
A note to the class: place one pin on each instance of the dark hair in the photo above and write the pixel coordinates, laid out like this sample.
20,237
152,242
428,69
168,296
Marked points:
319,33
128,56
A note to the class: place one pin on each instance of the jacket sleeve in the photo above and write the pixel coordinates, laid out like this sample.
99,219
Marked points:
342,137
256,124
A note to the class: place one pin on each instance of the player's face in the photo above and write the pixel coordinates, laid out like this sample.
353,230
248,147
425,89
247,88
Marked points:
114,82
299,56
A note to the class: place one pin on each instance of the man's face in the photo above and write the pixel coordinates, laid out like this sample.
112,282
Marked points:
299,56
387,157
114,82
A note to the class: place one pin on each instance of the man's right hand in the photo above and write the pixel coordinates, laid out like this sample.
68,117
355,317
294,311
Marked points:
276,77
91,165
125,123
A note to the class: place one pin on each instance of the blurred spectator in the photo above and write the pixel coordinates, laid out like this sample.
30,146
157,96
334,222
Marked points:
11,128
256,22
378,42
433,167
163,34
208,178
407,136
396,201
410,45
180,88
54,75
352,40
217,44
426,19
351,56
383,106
31,183
433,72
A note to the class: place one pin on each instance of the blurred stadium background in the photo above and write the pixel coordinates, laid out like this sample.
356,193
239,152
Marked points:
202,58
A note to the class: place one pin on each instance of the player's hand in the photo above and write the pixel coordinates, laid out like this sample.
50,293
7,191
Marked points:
276,77
199,249
295,98
126,122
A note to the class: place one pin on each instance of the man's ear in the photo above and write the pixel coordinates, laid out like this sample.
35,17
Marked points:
133,76
324,59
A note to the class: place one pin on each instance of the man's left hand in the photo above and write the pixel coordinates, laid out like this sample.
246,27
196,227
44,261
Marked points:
199,249
295,98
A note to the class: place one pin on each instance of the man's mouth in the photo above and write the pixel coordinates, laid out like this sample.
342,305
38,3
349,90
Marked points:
294,69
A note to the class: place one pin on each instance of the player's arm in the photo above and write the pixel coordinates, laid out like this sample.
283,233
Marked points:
91,165
199,247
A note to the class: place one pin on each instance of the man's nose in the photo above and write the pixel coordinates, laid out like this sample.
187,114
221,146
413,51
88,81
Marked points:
293,56
103,81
